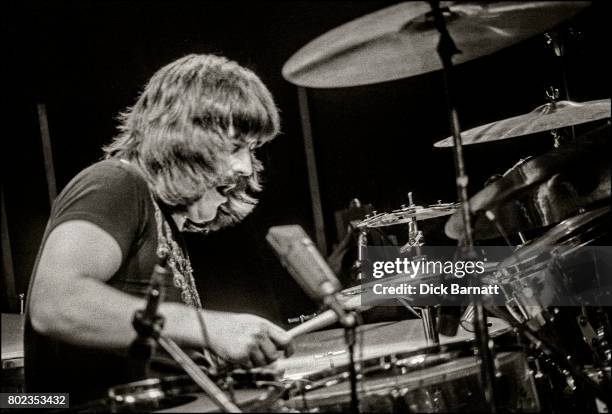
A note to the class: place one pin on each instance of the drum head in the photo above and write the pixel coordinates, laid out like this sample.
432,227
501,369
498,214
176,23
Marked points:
323,350
399,372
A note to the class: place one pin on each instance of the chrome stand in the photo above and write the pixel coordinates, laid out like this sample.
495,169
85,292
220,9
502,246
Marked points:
429,325
446,50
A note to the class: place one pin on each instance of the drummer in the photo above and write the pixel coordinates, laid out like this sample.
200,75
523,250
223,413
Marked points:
183,161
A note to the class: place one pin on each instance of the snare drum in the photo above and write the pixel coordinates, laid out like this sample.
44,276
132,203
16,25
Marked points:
431,379
399,373
322,350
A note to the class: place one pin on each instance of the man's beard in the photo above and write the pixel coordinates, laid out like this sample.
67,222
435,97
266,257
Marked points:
222,219
193,227
226,215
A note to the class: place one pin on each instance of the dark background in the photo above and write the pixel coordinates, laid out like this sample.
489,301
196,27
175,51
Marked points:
88,60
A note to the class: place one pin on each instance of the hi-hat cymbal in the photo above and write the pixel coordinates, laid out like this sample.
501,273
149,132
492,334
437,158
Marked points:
541,191
400,41
406,214
544,118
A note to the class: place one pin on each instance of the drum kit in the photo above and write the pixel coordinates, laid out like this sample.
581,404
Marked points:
12,352
548,348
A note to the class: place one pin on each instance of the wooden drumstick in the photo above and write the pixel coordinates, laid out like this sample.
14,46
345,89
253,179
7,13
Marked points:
322,320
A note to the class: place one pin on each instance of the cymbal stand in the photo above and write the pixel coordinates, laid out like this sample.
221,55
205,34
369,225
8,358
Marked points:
556,39
362,246
552,94
446,49
415,236
416,240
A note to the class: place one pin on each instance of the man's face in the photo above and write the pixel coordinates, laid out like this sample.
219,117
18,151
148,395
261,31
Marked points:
205,209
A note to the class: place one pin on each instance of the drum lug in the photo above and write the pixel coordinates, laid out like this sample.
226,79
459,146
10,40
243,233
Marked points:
569,380
588,333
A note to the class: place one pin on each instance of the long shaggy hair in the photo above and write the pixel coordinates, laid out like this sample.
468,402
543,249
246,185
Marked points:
191,115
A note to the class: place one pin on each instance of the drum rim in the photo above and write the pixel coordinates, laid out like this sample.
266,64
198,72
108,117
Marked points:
466,346
409,383
571,240
183,385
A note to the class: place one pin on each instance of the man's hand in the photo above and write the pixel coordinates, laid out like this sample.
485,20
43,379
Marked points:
246,339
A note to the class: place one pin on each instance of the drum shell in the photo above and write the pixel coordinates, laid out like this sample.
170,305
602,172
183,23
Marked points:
448,387
565,267
179,394
12,353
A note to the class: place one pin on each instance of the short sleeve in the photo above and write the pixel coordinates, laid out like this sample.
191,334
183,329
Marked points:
109,195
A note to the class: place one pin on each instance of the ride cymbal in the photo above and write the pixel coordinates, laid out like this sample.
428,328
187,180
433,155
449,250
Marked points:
400,41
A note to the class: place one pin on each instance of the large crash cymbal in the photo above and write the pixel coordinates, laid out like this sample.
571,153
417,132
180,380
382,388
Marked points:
400,41
544,118
541,191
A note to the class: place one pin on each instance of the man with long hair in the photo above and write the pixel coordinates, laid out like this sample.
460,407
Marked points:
182,162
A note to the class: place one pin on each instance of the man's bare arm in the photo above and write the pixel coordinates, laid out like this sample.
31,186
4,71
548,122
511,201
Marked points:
70,301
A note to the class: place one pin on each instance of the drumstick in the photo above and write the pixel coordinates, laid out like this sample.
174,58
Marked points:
322,320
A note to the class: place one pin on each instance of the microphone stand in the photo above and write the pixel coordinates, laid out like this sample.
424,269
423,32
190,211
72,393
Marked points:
148,325
446,49
351,338
348,320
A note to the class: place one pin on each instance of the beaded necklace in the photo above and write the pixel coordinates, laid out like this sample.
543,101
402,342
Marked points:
178,261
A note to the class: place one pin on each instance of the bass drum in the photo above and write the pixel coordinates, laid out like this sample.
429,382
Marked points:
443,378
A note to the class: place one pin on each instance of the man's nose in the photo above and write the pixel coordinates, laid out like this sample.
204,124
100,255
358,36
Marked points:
241,163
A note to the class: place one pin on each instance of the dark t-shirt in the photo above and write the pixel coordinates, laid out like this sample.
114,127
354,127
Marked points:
112,195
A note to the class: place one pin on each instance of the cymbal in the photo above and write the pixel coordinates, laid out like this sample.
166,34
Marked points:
541,191
544,118
406,214
400,41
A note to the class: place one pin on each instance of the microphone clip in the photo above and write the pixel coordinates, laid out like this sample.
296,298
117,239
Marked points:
147,326
147,323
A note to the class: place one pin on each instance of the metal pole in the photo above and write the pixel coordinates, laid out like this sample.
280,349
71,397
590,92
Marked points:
429,325
311,165
446,50
47,152
8,272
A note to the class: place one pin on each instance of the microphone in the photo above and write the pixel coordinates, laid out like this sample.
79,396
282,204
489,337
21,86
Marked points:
301,258
156,292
